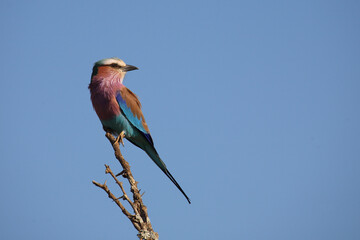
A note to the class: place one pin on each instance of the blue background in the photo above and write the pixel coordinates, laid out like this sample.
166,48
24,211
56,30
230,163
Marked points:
253,106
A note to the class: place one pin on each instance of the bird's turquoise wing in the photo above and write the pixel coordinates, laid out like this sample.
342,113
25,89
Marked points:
130,106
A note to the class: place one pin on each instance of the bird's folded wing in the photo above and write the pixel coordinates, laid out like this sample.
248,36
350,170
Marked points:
131,108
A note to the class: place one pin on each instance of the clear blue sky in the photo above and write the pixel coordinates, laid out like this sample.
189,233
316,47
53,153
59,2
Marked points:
253,106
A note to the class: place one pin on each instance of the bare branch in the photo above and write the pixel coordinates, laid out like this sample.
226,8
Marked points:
120,184
140,218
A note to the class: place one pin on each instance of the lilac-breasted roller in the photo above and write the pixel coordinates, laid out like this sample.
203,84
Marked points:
119,109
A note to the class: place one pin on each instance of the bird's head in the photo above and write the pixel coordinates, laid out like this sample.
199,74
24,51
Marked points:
112,66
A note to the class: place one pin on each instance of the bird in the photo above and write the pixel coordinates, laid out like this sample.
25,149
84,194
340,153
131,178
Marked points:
119,109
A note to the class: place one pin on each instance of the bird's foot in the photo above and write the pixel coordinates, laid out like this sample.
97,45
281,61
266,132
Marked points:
120,138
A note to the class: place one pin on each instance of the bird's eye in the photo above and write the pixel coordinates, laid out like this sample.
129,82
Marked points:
114,65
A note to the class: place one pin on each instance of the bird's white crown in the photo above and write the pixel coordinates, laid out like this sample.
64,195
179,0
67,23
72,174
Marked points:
109,61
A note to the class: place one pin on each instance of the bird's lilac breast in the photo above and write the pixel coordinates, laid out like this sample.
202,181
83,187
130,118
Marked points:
105,108
103,98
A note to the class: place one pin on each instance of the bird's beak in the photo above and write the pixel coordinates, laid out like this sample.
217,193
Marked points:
128,68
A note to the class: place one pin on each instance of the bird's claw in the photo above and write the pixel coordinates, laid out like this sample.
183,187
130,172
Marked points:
120,138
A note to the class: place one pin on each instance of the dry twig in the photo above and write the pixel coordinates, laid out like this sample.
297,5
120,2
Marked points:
139,218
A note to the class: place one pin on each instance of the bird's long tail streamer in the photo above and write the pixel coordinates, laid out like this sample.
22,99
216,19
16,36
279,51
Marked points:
151,151
168,174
